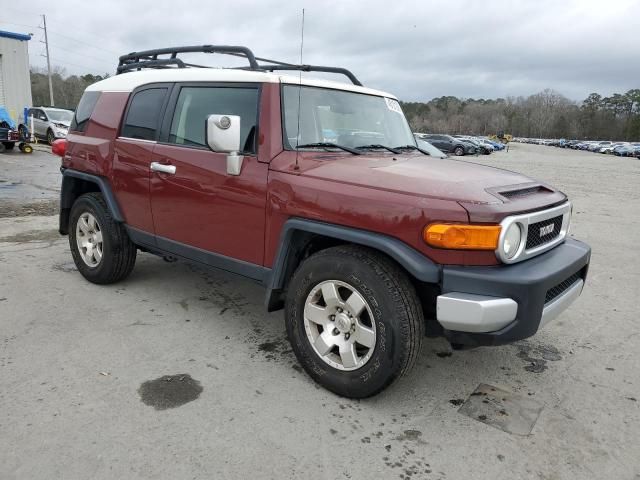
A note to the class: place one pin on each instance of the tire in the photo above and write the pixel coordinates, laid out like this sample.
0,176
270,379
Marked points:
50,137
458,151
390,308
8,145
114,257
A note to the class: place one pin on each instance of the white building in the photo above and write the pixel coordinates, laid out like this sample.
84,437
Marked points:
15,80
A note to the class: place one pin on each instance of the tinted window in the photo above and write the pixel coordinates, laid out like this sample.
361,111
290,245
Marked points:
195,104
143,116
84,110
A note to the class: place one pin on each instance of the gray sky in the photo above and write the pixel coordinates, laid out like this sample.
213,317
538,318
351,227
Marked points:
415,49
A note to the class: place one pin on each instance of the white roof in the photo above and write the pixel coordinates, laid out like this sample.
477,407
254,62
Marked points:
127,82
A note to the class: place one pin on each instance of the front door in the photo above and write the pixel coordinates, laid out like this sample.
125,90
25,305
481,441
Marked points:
197,207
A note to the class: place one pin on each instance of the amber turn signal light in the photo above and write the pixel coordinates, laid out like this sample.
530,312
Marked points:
462,237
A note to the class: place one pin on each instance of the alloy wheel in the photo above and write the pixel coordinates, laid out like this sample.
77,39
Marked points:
339,325
89,239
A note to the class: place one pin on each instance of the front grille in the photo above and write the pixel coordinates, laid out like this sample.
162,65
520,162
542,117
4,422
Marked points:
523,192
561,287
534,239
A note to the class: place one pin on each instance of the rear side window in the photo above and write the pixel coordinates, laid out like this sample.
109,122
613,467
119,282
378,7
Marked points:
84,111
143,116
195,104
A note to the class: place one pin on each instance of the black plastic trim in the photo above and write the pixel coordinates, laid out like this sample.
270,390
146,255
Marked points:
421,267
527,283
67,193
164,246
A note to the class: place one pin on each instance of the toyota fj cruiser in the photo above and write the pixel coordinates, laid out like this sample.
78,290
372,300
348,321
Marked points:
318,191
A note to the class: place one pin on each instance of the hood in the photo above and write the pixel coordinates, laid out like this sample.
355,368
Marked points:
423,176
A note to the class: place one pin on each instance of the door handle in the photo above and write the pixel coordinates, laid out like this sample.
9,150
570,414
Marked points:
159,167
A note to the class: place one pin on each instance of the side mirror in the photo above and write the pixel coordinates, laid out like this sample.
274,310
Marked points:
223,135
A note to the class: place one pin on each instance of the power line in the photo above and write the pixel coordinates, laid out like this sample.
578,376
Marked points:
84,43
55,32
19,24
81,54
67,63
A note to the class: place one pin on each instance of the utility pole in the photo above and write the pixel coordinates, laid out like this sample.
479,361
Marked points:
46,44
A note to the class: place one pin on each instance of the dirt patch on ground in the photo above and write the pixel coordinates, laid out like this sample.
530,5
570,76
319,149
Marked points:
44,208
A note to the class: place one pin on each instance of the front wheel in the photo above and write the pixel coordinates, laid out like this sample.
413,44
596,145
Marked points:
50,137
100,246
458,151
354,320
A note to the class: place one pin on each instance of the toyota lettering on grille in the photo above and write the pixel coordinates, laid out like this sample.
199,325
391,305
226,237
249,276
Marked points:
546,230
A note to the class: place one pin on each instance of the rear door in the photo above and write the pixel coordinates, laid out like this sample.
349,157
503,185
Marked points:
199,208
134,150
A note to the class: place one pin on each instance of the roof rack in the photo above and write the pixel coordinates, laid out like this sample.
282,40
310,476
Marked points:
150,59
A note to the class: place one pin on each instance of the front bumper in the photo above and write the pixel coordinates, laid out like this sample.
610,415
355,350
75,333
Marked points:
502,304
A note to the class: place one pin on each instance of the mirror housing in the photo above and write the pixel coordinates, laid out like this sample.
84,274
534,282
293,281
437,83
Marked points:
223,135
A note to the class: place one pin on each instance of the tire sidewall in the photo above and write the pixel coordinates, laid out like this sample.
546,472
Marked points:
458,151
384,365
83,205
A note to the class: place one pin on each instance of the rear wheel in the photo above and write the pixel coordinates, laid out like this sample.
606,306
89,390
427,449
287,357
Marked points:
100,246
458,151
8,145
354,320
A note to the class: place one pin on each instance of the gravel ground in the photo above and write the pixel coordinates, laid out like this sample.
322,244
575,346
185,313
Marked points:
179,373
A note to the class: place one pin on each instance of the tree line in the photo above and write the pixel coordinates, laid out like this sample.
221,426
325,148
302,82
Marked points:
67,89
547,114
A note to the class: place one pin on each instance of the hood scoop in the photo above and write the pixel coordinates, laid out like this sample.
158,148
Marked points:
516,192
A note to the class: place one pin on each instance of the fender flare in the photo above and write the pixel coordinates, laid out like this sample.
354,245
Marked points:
414,262
68,195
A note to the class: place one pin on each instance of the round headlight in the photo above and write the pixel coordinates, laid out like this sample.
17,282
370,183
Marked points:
511,241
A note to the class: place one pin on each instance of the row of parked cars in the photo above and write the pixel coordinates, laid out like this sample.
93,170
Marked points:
458,145
621,149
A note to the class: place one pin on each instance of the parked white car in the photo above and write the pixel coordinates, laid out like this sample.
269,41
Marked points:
50,123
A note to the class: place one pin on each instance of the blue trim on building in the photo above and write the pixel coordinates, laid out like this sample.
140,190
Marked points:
16,36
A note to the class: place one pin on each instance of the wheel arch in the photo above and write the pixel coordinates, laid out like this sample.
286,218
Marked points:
301,238
75,184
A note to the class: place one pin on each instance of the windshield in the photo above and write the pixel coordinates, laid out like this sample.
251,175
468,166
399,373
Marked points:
344,118
59,115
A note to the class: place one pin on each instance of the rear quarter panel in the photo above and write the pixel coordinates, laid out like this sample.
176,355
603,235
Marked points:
91,151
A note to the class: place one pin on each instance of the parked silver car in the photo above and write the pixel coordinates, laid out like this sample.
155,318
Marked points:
50,123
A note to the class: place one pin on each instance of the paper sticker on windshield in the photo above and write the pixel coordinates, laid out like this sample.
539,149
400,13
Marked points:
393,105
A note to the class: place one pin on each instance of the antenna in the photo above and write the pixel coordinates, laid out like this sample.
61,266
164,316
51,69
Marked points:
297,167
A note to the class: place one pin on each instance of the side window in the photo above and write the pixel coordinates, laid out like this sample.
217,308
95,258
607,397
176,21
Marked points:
143,116
195,104
84,111
43,116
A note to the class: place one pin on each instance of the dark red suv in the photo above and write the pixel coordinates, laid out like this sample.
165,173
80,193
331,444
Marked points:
318,191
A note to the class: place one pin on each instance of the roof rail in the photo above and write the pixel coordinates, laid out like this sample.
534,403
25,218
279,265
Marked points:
149,59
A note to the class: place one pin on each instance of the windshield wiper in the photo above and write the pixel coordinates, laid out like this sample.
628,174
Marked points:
378,146
329,145
412,147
